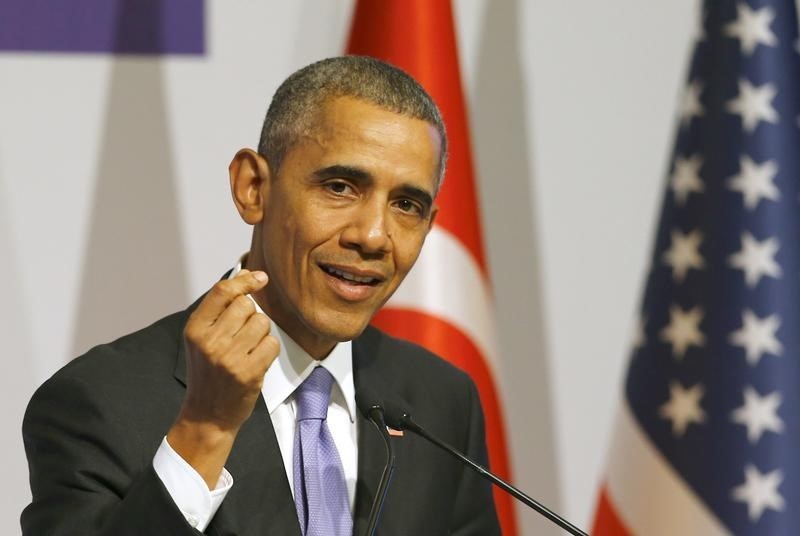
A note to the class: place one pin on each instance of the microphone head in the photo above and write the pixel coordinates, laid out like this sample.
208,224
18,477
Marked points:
367,401
396,414
394,411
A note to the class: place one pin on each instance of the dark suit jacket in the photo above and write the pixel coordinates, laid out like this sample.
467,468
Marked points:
91,432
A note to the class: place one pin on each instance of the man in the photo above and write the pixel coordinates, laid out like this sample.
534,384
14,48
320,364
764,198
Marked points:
202,422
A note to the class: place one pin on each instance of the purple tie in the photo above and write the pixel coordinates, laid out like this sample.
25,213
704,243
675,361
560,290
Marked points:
320,493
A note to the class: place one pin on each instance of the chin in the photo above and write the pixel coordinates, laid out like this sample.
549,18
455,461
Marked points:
340,326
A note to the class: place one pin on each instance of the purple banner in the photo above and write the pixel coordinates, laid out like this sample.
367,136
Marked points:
115,26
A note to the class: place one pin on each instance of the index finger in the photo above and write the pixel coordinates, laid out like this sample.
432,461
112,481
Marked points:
224,292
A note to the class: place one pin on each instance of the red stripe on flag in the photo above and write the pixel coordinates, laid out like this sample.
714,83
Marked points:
445,340
607,522
419,37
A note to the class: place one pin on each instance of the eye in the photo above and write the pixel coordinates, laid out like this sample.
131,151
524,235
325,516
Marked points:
409,206
338,187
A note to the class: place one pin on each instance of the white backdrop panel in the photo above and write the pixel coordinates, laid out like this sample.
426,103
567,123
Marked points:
593,89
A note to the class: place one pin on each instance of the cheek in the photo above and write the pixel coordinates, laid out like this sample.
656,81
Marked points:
406,255
309,230
317,225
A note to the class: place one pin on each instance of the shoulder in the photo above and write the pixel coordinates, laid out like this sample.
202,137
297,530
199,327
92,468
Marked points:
405,358
127,377
144,351
124,393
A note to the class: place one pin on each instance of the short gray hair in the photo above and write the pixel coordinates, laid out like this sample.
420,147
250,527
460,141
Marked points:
300,98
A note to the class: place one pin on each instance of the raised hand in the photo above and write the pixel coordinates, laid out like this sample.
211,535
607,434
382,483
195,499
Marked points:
228,351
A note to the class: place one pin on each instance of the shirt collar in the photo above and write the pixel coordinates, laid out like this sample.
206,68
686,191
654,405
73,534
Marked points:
293,365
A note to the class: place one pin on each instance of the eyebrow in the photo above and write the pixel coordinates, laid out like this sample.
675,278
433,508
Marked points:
345,172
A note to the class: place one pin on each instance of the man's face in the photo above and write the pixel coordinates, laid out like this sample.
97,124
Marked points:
344,220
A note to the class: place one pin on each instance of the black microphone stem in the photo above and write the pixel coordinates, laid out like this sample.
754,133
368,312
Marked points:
546,512
375,415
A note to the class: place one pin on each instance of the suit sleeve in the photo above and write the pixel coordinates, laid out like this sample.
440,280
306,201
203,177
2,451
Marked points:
474,513
89,475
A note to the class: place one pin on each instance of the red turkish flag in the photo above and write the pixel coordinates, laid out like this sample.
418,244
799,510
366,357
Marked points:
445,303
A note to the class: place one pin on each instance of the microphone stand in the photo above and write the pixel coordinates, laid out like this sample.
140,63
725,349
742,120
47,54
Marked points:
375,414
408,423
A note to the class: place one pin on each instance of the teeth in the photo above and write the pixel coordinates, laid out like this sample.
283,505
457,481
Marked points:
351,277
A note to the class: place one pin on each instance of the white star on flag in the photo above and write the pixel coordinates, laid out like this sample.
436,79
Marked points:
759,414
759,491
756,259
754,181
684,253
683,330
683,407
754,104
686,177
692,107
757,336
752,27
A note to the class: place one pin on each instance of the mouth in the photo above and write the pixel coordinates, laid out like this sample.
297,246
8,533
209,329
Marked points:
352,276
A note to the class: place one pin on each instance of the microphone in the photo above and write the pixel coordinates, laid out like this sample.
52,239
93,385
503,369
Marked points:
399,419
370,406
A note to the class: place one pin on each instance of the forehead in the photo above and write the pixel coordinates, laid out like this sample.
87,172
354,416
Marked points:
355,132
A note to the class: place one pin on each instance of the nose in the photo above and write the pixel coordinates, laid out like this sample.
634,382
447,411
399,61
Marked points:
367,229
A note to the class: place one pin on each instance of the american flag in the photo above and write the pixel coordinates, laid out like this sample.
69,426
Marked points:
708,441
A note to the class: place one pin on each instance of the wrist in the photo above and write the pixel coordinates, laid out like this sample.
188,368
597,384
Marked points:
204,434
203,445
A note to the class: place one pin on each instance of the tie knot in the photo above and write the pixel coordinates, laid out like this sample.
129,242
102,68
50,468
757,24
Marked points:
314,395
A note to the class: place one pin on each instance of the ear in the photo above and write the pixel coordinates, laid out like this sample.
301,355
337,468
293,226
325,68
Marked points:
249,177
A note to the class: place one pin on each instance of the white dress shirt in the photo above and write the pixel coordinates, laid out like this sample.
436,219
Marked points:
293,365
